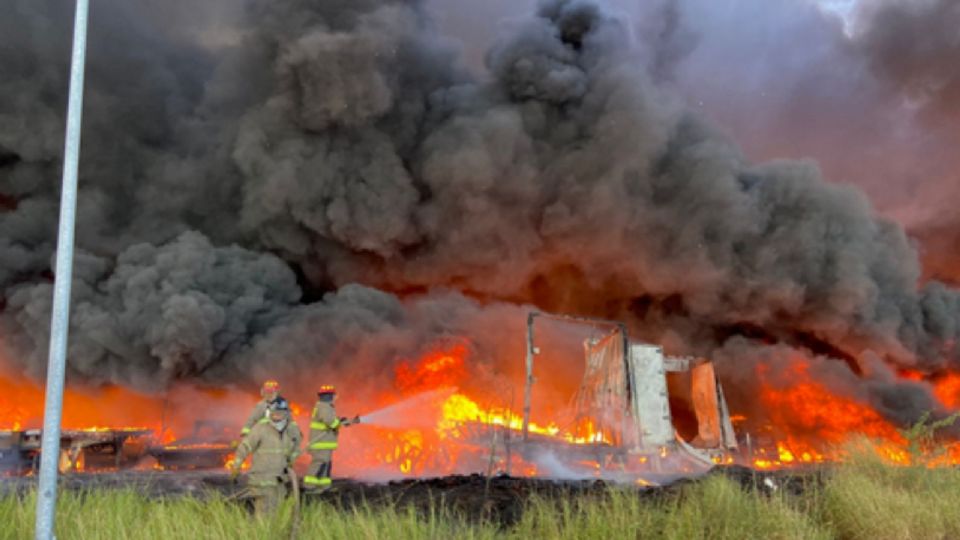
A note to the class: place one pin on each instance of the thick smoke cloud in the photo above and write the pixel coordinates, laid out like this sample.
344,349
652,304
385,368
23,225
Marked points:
141,81
238,181
915,45
869,98
156,314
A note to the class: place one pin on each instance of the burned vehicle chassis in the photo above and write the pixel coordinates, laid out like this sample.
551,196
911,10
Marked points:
627,382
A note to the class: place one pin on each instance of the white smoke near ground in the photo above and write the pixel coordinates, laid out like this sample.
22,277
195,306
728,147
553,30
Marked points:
326,188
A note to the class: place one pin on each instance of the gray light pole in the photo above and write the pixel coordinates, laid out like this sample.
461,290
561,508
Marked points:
60,321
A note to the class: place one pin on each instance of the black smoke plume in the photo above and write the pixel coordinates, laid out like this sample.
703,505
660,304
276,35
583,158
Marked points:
326,186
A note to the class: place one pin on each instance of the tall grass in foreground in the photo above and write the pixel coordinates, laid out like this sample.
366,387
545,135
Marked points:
864,498
714,508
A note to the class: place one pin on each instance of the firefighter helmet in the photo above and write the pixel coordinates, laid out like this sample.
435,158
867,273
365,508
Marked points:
270,386
327,390
279,404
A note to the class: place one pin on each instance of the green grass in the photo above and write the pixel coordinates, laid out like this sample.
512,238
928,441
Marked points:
863,498
715,508
868,499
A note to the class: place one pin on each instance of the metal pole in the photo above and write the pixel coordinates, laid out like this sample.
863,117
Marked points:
60,321
528,389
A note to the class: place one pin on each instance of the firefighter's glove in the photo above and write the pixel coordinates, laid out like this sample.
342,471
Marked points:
234,443
234,474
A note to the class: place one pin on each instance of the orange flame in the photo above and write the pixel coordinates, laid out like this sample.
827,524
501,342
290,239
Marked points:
813,423
947,390
805,419
439,368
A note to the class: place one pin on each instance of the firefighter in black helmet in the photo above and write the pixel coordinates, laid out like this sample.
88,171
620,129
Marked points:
273,444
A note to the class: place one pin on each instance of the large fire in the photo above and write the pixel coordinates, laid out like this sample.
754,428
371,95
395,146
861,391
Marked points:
454,431
433,423
811,424
806,424
93,419
947,390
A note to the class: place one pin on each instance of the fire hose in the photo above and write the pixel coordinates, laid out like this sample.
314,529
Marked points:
295,491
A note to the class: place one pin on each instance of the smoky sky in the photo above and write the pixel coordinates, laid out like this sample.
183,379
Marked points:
280,186
872,99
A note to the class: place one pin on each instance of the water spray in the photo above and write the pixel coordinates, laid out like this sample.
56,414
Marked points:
409,412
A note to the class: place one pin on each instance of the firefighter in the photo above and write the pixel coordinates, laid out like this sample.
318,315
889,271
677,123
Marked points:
324,429
268,392
273,444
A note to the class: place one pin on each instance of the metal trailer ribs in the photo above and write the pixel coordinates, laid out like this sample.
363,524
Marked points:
625,388
113,449
100,449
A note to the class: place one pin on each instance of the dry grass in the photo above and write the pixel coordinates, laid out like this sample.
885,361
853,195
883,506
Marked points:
864,498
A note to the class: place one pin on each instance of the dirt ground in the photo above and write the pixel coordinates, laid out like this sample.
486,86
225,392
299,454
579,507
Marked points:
499,499
502,499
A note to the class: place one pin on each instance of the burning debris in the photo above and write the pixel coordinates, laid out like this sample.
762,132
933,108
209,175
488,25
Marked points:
622,406
210,446
636,415
94,449
98,450
114,429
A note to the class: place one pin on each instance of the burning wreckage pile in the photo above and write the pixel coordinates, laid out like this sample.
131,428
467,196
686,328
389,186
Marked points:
367,214
637,416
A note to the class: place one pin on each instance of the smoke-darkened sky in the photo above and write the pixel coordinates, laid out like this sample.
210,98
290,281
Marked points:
278,186
805,78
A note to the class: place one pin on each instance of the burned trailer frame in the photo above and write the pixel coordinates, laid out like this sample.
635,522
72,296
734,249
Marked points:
209,446
102,449
95,449
716,438
533,350
648,431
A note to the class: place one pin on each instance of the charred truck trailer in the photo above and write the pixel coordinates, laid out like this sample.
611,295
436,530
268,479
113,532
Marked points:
626,397
112,449
635,410
93,449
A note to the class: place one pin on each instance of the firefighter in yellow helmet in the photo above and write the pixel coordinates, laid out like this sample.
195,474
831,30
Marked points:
324,429
273,444
268,392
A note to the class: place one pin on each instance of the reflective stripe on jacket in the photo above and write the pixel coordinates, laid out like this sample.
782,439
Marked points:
324,427
317,480
259,413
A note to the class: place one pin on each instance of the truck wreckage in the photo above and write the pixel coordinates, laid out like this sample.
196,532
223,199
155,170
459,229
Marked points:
634,410
625,399
88,449
113,449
